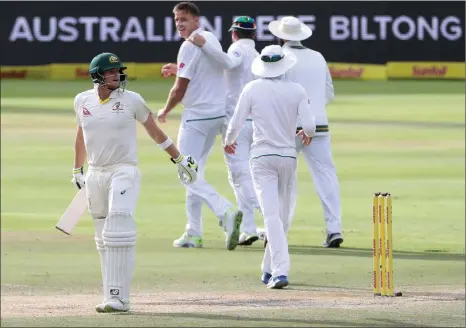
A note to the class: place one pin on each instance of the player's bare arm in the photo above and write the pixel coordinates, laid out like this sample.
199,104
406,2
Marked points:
79,158
175,96
159,136
187,166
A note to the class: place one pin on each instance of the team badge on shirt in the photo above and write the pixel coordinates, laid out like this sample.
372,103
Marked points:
116,107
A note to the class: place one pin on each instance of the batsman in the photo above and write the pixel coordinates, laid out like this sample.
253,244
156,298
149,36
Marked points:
106,133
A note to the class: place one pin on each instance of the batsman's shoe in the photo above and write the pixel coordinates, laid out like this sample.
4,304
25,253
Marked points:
261,233
266,277
278,282
188,241
333,240
231,225
116,305
247,239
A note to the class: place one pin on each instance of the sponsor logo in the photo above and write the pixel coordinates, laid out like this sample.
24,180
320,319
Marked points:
181,65
79,72
237,54
403,28
103,28
161,29
114,291
14,74
349,72
86,112
429,71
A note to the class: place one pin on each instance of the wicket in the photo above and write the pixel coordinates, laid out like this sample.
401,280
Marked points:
382,245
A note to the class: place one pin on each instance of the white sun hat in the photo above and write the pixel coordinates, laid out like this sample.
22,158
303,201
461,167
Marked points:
272,62
290,28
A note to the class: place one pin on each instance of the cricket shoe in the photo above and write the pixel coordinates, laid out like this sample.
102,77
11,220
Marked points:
261,233
265,278
246,239
333,240
231,225
188,241
278,282
112,306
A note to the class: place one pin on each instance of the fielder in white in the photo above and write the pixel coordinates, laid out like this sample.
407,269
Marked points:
237,64
200,87
274,103
106,116
311,71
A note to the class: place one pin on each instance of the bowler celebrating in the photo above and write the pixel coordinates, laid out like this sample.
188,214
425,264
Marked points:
200,87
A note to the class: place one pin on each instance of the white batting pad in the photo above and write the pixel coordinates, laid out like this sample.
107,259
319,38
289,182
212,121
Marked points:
119,237
99,242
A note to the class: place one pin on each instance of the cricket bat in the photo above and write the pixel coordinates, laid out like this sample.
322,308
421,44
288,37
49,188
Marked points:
73,213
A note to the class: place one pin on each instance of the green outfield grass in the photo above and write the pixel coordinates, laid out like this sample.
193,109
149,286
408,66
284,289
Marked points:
404,137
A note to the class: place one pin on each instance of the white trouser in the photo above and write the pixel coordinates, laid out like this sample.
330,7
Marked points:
319,160
114,191
196,138
275,182
239,175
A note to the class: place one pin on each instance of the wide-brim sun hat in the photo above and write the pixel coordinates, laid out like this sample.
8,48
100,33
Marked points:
272,62
290,28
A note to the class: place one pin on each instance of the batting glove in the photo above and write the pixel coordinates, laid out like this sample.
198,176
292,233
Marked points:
187,168
79,180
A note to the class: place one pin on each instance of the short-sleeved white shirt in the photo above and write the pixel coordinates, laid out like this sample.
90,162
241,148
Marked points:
205,95
109,129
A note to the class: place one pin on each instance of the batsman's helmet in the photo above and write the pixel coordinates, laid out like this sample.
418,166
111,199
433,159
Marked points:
243,23
105,62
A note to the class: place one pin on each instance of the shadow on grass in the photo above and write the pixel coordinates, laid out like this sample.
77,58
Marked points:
366,252
285,321
431,295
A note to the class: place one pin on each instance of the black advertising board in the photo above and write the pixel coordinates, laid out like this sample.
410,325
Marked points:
36,32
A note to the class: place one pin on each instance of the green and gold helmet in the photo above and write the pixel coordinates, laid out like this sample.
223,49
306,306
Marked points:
105,62
243,23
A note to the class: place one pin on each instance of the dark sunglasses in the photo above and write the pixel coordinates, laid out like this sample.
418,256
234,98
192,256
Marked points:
271,59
